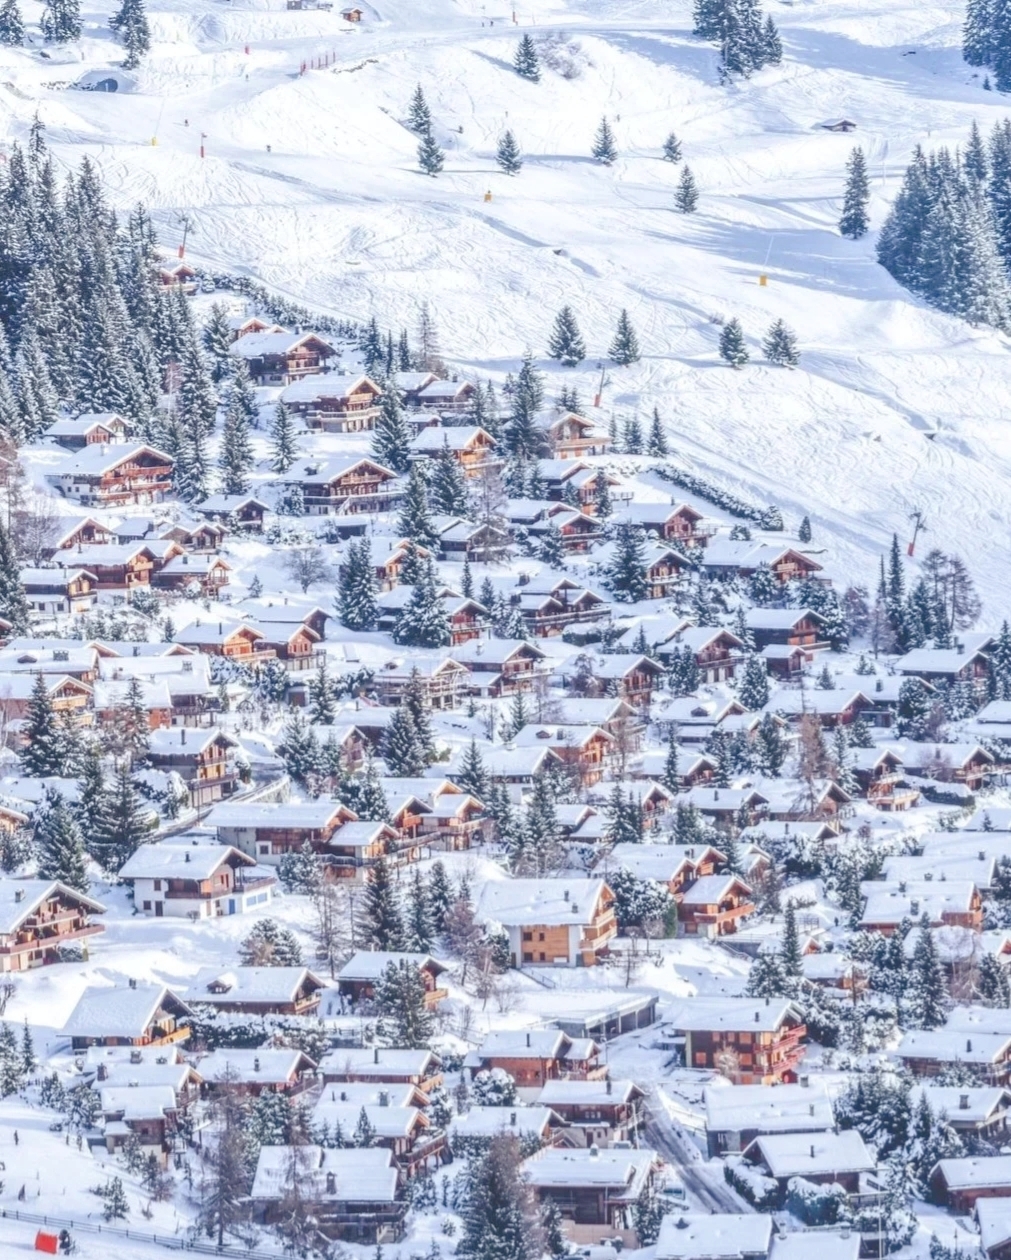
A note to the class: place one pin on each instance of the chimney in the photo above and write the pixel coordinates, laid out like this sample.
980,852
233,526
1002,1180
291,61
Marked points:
375,1058
384,1098
963,1102
812,1152
594,1151
565,894
528,1039
344,1095
575,908
609,1084
512,1118
256,1064
331,1183
135,1057
187,857
19,894
914,906
103,1072
133,983
182,735
805,1081
968,1047
758,1018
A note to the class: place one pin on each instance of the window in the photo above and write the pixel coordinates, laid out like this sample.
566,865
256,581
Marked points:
157,885
540,936
264,848
147,905
541,956
700,1058
528,936
527,956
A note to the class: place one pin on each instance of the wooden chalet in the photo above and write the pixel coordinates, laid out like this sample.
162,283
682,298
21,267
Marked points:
89,429
570,436
358,978
444,683
880,774
250,1073
269,830
69,696
239,325
135,1014
927,1053
714,905
345,486
258,990
595,1112
716,650
548,605
334,404
82,532
243,512
455,821
237,640
293,643
944,665
203,759
389,565
671,522
38,917
632,678
824,1159
753,1041
586,748
207,574
471,446
962,1183
994,1220
463,540
560,922
725,556
178,275
118,566
421,1068
113,476
666,570
188,880
944,902
279,358
501,667
60,591
594,1189
794,627
453,397
533,1057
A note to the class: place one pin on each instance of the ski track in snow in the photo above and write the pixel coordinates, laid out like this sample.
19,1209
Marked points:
894,406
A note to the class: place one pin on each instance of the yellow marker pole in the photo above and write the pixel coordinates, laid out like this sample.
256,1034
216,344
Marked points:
487,195
763,281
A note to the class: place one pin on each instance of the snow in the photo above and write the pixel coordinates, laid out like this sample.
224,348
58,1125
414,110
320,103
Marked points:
813,1154
723,1237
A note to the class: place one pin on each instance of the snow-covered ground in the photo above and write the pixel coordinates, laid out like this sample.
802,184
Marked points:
311,184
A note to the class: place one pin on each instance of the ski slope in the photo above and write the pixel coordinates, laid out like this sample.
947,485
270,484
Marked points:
894,406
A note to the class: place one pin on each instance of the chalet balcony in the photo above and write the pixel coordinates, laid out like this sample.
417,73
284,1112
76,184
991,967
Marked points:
26,943
426,1148
305,660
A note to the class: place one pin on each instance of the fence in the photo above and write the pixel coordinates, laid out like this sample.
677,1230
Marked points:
174,1242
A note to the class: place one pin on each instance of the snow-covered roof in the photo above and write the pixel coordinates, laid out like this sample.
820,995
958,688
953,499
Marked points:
607,1093
254,344
378,1062
710,889
239,985
778,618
120,1011
653,861
624,1173
228,503
388,1122
518,1043
952,1045
725,1236
20,898
820,703
138,1102
322,385
102,457
456,438
891,903
975,1172
263,1066
934,661
736,1014
366,965
964,1104
994,1217
785,1108
360,1174
520,902
807,1154
291,815
187,739
554,736
485,1122
832,1245
178,859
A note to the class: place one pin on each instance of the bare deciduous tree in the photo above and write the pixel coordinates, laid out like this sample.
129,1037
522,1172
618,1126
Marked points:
307,566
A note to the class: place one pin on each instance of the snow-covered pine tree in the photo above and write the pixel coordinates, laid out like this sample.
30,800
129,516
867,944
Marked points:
12,27
381,921
121,825
656,443
855,220
804,532
283,442
236,455
61,21
624,349
419,114
472,776
602,496
732,346
391,438
672,148
414,701
400,997
566,342
424,621
431,158
419,928
467,580
507,154
130,24
268,944
300,748
604,148
44,750
523,439
772,45
13,602
59,844
323,695
632,436
626,573
753,691
683,672
216,339
686,195
401,748
551,548
927,988
415,520
357,593
789,952
449,484
977,33
500,1219
780,345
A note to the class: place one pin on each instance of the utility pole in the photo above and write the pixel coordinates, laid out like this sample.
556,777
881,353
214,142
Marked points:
919,527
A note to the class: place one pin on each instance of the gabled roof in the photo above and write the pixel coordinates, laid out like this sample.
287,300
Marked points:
367,965
735,1014
103,457
20,898
264,1066
552,736
786,1108
214,633
516,902
121,1011
806,1154
168,740
728,1236
181,860
252,345
360,1175
315,472
323,385
456,438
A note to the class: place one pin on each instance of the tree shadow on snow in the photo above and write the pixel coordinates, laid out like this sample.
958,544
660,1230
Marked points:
678,49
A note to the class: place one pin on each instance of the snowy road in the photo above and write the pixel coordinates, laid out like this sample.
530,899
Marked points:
702,1183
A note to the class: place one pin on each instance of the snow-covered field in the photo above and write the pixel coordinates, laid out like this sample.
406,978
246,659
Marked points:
311,184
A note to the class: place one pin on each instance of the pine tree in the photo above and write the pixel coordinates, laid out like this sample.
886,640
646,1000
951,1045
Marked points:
686,196
59,844
420,115
216,339
381,915
992,987
44,751
732,347
632,436
13,603
672,148
602,499
130,24
121,825
518,717
323,693
415,520
780,345
29,1062
627,571
236,456
656,444
270,945
400,997
771,747
61,21
526,62
789,953
625,346
357,593
12,27
927,988
401,748
115,1206
977,33
753,691
772,45
301,751
508,154
391,438
424,621
551,548
440,896
466,580
419,929
855,220
415,703
283,443
804,532
472,776
604,148
566,342
449,484
430,157
499,1214
522,438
